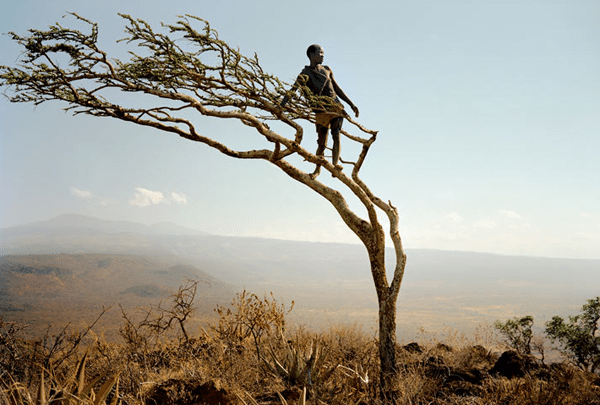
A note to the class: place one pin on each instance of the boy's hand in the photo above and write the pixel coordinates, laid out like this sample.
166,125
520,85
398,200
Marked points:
355,109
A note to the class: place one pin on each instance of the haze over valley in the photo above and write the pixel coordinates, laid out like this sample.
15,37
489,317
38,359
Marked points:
66,269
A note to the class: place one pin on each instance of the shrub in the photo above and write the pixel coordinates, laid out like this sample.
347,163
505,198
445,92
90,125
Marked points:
517,332
249,316
579,335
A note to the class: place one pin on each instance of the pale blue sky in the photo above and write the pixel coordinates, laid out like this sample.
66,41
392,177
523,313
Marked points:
488,112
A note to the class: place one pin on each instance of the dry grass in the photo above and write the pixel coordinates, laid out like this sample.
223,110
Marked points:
251,356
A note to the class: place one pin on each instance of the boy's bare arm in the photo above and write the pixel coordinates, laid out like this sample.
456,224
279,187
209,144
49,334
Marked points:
343,96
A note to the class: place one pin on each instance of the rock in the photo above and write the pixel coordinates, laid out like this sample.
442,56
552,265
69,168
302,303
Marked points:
512,364
446,374
413,347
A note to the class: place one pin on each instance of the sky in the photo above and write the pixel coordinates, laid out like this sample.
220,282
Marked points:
488,115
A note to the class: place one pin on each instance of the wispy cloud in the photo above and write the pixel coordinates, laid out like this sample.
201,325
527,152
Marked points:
144,197
91,198
83,194
179,198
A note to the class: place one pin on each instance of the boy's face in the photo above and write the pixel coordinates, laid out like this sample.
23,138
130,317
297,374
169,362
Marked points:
317,57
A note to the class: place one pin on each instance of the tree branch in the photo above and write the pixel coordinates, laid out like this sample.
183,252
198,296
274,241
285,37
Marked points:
188,70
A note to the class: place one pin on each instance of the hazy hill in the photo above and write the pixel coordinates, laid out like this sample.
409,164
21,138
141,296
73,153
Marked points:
330,282
61,288
73,222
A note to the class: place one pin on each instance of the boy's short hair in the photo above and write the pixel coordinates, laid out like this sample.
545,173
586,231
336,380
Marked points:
312,49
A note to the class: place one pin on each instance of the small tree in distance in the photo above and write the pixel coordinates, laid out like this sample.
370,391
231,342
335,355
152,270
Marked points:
185,71
517,332
579,336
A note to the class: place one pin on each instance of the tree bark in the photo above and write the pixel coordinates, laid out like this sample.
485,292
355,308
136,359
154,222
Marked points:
387,344
387,296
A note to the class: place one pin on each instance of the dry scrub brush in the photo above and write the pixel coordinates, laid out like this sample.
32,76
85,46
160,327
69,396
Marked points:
250,355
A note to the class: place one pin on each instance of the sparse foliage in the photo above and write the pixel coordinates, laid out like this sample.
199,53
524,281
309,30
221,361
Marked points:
517,332
14,352
65,344
249,316
181,71
329,367
579,336
52,352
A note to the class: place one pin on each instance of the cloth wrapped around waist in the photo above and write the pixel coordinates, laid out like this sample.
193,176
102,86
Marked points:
324,118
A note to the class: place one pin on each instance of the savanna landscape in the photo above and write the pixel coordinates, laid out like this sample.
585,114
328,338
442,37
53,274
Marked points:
133,327
103,312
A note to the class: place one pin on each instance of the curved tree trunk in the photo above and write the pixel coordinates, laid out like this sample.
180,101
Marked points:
387,296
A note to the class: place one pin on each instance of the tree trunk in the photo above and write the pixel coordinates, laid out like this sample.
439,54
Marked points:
387,343
387,338
387,295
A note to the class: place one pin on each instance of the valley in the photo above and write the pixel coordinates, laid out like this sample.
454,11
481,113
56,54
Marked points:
67,269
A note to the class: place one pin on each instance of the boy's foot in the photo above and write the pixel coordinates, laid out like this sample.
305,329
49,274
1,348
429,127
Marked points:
339,167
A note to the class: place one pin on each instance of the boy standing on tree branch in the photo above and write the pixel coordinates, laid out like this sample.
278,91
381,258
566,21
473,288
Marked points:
318,79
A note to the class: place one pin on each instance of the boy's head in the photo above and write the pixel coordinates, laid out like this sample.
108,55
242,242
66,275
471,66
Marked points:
315,53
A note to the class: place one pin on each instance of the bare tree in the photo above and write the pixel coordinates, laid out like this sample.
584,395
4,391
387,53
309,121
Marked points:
181,310
183,70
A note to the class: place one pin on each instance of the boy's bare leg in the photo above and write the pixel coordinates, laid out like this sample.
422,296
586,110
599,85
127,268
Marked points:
335,135
322,144
336,126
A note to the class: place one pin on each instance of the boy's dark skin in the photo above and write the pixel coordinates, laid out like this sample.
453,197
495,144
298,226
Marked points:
319,79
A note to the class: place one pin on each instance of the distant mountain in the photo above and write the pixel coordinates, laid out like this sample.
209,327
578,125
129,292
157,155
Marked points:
71,222
331,282
81,234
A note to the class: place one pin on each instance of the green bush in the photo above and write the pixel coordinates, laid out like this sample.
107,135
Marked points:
579,336
517,332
